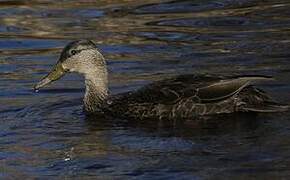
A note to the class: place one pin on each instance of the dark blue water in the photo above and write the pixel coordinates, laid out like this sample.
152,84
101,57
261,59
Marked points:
46,135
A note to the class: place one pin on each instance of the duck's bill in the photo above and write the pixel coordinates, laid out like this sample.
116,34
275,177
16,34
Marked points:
54,75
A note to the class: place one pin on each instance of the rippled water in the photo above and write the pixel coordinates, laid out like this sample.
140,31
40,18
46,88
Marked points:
46,134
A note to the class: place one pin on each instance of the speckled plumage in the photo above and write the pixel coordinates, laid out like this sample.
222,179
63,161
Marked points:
180,97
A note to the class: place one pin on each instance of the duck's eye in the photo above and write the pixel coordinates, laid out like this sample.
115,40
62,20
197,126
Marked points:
73,52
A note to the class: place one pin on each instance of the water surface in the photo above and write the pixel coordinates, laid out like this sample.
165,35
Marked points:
46,134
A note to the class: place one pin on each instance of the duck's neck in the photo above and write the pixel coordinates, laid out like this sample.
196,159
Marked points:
96,89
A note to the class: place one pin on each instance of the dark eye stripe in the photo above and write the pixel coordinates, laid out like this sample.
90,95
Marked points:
72,52
76,51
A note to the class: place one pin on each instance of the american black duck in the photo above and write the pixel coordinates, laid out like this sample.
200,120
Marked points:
183,96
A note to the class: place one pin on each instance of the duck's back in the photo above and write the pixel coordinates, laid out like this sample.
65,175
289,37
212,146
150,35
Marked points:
189,96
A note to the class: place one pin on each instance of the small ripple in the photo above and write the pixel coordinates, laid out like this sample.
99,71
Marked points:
222,22
47,109
183,6
14,29
29,44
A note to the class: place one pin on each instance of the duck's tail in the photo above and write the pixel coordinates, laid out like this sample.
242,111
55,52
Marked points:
256,100
267,107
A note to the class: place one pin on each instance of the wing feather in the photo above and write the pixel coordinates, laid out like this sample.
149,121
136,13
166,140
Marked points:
226,88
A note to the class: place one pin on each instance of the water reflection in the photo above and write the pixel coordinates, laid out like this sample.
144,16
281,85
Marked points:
47,134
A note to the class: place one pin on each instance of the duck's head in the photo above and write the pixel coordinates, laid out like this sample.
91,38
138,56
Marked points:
79,56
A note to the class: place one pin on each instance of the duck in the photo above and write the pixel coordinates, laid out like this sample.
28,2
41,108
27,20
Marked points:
186,96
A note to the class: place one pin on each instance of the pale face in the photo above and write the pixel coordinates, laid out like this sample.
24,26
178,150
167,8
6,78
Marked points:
84,62
78,56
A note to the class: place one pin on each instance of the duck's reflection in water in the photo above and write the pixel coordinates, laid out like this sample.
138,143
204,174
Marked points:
215,125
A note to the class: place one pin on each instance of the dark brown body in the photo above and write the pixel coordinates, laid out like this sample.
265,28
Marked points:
191,96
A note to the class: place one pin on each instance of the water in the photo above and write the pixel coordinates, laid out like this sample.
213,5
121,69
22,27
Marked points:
46,134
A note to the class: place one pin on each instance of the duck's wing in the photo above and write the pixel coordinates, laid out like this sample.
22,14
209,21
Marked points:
166,91
226,88
200,88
